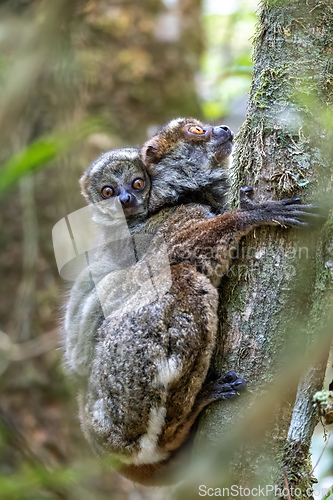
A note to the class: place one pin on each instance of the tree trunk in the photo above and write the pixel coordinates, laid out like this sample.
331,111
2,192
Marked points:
273,301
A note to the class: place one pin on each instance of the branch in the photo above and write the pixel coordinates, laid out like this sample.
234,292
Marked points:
29,349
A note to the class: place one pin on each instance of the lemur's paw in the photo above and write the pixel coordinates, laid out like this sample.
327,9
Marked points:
245,197
286,213
292,213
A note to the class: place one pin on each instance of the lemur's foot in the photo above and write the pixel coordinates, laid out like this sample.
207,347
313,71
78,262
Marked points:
217,386
228,386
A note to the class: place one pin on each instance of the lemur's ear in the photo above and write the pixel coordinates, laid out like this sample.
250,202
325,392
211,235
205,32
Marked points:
84,185
150,154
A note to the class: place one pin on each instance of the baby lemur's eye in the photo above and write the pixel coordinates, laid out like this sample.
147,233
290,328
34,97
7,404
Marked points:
138,184
196,130
107,192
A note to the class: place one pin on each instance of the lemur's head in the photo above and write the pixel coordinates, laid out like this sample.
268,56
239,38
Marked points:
119,179
187,161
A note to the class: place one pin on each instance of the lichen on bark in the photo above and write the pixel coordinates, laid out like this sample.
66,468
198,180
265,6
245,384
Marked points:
274,311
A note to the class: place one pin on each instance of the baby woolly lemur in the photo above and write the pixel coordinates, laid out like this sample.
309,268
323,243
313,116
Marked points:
144,368
84,314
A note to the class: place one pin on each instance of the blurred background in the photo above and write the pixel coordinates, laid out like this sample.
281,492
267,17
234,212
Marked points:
79,78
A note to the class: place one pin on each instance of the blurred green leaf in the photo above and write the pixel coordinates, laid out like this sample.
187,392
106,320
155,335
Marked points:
329,494
212,109
44,150
35,481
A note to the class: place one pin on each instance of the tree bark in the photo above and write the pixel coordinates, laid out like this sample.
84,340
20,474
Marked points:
274,302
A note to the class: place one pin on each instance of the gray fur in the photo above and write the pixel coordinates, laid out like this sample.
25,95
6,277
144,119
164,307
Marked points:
188,185
188,175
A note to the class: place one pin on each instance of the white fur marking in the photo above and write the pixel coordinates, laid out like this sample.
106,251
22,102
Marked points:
149,453
174,123
99,416
89,306
168,371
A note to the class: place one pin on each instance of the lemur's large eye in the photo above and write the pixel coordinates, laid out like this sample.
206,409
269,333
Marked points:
138,184
196,130
107,192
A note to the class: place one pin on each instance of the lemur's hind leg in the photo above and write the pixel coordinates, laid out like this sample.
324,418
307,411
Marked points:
225,386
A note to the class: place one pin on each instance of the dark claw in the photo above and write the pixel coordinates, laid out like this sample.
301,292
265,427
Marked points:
291,201
288,222
240,384
300,206
223,388
245,195
297,217
228,395
229,377
219,386
245,191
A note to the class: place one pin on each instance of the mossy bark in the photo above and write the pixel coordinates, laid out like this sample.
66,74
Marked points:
273,302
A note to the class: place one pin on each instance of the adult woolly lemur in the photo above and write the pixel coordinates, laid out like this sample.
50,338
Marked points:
145,367
190,174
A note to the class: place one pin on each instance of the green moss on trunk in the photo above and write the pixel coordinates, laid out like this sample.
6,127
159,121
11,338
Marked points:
273,309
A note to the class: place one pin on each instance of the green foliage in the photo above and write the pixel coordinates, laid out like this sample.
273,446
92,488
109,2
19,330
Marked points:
33,481
329,494
226,66
29,479
41,152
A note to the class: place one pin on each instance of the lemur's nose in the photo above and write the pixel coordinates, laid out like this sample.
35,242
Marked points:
223,132
125,199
